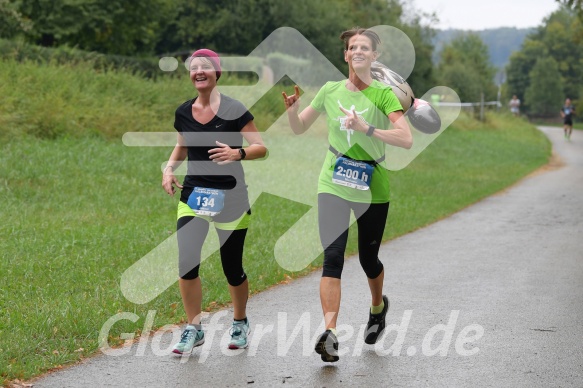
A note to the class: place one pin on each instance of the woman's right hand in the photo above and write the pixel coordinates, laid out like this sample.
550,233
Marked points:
169,181
292,102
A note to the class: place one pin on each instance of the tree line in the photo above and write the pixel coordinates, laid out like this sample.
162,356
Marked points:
548,67
159,27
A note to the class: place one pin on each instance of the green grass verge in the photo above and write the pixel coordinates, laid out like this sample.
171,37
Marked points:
77,213
78,209
558,122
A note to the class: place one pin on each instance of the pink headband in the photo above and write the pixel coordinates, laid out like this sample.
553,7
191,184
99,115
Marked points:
212,56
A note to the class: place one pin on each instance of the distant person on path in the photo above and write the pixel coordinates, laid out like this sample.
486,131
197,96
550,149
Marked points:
213,190
515,105
358,111
567,113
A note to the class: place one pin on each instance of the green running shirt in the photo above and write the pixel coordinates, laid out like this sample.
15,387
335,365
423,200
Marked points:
374,105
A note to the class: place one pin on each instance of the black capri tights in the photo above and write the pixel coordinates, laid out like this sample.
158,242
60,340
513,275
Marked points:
334,221
192,232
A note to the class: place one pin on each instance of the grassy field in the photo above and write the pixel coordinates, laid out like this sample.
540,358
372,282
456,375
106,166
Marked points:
78,207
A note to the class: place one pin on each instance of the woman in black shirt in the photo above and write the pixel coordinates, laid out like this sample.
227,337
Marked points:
211,128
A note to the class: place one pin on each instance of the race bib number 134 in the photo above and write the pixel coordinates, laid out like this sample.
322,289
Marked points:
206,202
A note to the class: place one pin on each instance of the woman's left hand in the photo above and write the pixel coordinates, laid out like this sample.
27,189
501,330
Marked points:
354,121
224,154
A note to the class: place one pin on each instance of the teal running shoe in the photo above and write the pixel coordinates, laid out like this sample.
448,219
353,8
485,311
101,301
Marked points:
239,333
190,339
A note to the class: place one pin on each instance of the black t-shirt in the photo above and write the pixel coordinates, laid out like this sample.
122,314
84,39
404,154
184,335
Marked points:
568,111
225,127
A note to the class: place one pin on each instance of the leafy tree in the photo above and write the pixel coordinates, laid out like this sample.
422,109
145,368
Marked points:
228,26
501,42
520,65
559,38
576,5
468,55
423,77
11,21
107,26
545,92
463,79
237,27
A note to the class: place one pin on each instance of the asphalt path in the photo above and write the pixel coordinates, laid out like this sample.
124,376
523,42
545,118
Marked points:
491,296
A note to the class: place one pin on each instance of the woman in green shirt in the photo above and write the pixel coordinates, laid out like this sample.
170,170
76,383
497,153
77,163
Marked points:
353,177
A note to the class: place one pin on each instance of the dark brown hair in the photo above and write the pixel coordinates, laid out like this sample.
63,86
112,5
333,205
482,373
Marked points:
374,38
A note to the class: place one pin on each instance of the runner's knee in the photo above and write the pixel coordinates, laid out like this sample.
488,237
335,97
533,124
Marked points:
372,266
333,262
189,275
232,244
191,232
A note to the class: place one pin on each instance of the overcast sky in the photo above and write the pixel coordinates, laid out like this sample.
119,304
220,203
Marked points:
484,14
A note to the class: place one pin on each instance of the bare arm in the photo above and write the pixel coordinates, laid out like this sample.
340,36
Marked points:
256,148
178,155
399,136
299,123
224,154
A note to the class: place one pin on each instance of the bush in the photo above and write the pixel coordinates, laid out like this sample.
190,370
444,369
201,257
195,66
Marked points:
20,51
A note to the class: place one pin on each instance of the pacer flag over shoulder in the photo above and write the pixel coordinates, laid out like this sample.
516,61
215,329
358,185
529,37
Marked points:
420,113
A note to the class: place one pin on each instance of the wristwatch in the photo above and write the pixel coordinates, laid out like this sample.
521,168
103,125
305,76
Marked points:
242,153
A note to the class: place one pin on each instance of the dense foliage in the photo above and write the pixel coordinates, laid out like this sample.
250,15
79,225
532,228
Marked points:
577,5
134,34
465,67
545,91
560,38
159,27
